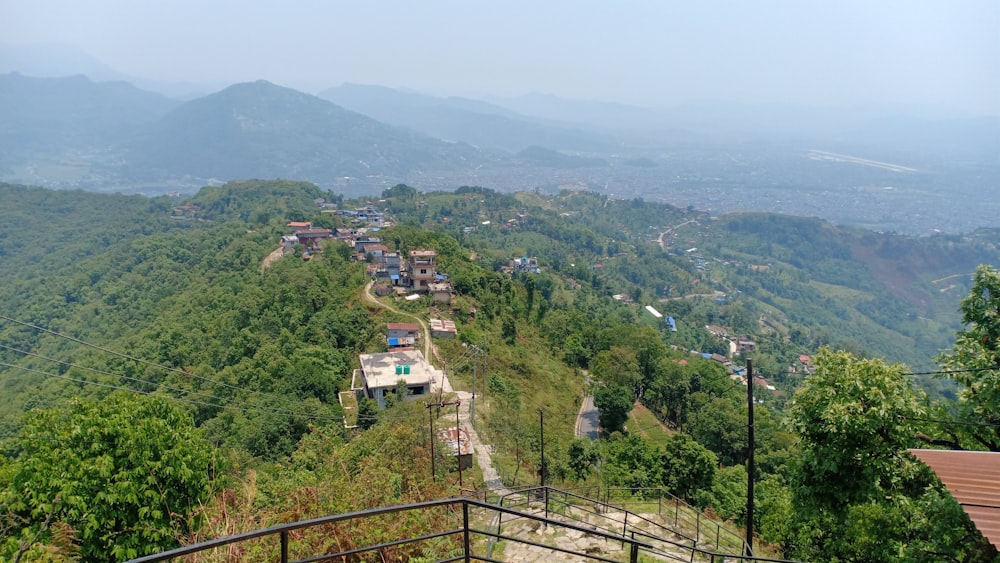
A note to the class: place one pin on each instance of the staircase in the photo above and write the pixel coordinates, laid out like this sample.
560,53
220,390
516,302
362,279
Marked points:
535,524
674,530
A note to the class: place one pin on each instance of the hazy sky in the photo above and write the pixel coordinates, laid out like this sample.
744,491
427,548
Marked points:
938,53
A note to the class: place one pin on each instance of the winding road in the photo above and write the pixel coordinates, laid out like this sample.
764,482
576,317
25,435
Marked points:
423,325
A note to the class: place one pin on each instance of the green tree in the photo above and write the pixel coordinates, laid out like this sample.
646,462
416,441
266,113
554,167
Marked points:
617,366
367,413
977,349
630,461
687,466
127,474
509,329
855,418
859,496
401,191
727,494
614,403
581,458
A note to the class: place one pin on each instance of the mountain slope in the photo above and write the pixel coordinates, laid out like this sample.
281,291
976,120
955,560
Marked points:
460,119
51,114
262,130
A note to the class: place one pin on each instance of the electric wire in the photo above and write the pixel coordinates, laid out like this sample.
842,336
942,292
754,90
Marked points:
954,422
147,382
169,397
108,373
953,371
142,361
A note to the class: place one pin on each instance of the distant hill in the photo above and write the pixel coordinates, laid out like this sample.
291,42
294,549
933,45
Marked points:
461,119
54,114
60,59
52,60
263,130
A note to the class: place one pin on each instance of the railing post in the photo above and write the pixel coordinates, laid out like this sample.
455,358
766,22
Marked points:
625,527
465,528
546,491
633,556
677,507
284,546
718,529
697,527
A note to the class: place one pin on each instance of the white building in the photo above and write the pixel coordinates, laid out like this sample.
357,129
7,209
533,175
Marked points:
381,372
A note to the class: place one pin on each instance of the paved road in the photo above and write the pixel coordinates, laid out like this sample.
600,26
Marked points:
586,421
587,425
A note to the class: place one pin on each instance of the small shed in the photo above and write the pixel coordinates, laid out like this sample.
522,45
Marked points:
458,443
443,328
441,291
402,334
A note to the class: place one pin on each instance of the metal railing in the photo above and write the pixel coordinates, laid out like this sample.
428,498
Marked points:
282,535
681,519
552,502
464,532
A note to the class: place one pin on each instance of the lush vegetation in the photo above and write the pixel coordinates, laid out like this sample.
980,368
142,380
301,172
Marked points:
140,338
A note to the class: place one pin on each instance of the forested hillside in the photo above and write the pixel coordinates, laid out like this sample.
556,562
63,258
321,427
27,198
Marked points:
145,337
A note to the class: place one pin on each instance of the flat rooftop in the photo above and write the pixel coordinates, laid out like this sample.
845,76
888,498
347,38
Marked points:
380,369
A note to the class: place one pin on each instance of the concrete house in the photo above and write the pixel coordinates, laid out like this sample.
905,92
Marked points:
423,268
381,372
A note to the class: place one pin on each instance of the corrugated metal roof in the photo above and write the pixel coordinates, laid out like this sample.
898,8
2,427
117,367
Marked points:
457,440
973,478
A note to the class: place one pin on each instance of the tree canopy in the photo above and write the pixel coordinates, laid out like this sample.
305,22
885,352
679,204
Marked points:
127,474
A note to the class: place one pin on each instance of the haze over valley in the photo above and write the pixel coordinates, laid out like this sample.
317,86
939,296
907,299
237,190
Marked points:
784,124
519,282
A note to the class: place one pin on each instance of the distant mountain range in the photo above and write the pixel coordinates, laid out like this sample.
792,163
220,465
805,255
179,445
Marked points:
79,133
262,130
54,114
460,119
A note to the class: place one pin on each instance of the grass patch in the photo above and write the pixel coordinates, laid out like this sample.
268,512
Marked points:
643,422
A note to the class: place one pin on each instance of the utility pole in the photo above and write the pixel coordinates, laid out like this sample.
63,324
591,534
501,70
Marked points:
458,446
541,433
750,461
430,413
472,405
458,436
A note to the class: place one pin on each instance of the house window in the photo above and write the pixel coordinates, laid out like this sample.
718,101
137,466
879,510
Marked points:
423,270
416,390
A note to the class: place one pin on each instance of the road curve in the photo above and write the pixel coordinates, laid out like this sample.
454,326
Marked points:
423,326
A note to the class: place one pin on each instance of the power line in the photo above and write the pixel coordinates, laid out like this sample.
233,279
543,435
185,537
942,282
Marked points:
951,371
955,422
142,361
147,382
101,372
168,397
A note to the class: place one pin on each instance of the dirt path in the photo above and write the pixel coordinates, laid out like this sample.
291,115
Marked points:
490,475
278,253
423,326
669,230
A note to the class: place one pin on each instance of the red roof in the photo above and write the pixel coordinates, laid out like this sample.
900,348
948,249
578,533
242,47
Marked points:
411,327
300,224
973,478
805,359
